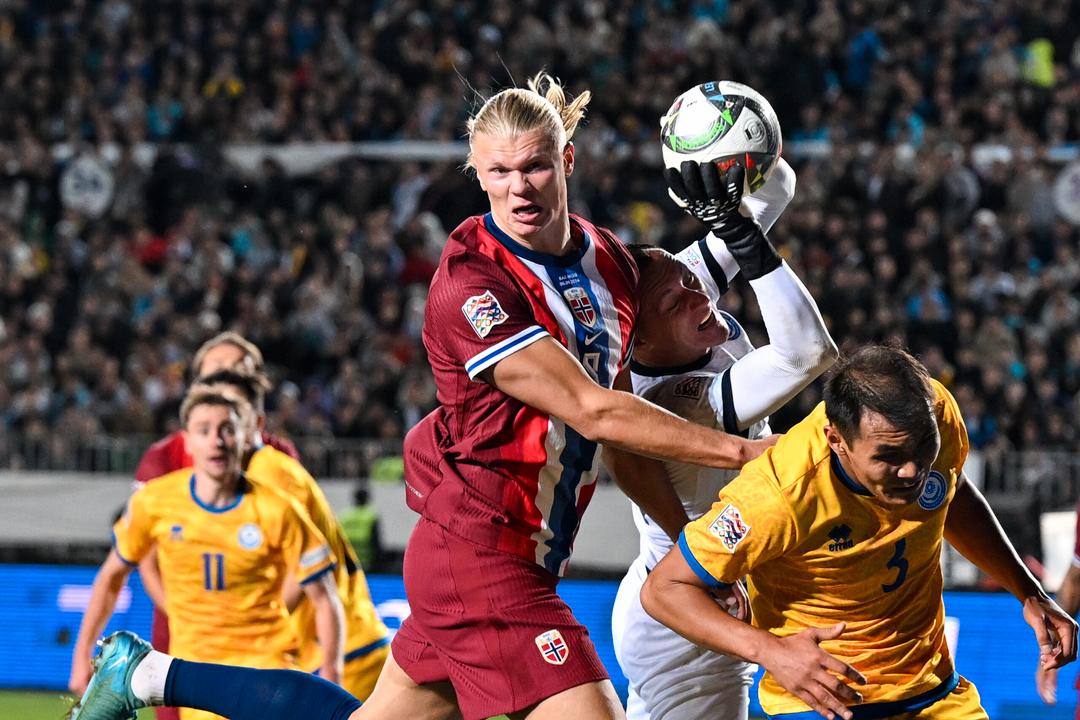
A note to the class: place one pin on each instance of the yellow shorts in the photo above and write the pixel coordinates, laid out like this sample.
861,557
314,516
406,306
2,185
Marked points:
362,672
961,704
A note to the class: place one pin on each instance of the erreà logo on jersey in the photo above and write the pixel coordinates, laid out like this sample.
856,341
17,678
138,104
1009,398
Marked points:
552,647
840,538
580,305
484,312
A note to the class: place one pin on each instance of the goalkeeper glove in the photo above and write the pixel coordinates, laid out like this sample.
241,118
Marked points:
714,200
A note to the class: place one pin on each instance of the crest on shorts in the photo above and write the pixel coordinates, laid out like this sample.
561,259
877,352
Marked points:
484,312
580,305
729,527
934,491
552,647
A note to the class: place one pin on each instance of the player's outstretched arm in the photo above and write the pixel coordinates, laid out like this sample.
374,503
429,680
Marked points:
329,625
108,583
547,377
674,595
1068,598
974,531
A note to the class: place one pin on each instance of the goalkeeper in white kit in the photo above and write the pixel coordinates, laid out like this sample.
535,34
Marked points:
696,360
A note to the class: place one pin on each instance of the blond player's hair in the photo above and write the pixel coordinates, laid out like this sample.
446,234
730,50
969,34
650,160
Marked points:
516,111
203,395
229,337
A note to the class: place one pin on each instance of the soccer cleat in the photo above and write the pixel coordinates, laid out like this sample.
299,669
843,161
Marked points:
109,696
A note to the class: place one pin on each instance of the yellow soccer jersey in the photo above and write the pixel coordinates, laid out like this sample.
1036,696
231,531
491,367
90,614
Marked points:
818,550
364,629
223,568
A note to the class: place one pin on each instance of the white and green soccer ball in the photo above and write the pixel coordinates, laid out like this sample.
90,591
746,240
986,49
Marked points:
725,123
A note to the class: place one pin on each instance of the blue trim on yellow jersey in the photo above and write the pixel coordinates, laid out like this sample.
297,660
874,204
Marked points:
846,479
122,558
877,711
697,567
329,568
366,649
521,251
211,508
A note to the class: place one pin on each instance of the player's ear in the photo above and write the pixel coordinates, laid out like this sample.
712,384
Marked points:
835,440
568,159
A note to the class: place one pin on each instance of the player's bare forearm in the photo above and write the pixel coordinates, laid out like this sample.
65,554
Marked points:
104,592
545,376
329,625
674,596
974,531
291,592
646,482
1068,595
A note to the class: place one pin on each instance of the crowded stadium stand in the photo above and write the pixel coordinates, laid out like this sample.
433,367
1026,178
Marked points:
290,170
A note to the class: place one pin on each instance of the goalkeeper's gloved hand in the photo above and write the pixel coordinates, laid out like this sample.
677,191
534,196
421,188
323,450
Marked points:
715,200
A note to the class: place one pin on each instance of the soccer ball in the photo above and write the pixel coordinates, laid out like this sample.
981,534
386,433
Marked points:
726,123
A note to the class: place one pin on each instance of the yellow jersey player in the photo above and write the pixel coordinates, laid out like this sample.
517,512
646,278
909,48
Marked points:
225,544
367,640
839,528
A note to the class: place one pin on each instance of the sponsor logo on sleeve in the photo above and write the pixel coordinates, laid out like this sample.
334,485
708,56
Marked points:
729,527
933,494
552,647
313,558
484,312
250,536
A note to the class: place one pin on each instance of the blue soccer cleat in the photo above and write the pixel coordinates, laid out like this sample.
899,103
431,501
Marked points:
108,696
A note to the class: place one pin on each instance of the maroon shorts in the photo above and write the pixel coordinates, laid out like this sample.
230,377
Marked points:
491,624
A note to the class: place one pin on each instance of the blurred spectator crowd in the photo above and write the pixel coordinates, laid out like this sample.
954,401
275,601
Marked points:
901,230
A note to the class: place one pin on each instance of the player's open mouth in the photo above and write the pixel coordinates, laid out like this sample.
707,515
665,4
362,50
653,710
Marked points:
527,212
708,322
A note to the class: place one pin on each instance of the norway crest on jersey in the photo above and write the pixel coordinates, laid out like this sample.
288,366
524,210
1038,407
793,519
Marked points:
580,305
552,647
484,312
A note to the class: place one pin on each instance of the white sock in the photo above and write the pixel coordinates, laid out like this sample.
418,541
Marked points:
148,679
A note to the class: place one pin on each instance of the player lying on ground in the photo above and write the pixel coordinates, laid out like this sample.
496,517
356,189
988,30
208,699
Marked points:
839,528
708,371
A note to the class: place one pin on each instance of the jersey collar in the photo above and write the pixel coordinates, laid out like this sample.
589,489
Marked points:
571,258
846,479
241,490
649,371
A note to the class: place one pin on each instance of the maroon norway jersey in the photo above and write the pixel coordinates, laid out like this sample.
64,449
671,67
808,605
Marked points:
483,465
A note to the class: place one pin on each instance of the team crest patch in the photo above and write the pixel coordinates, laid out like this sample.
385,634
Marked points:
580,305
690,388
934,492
250,536
552,647
729,527
484,312
734,329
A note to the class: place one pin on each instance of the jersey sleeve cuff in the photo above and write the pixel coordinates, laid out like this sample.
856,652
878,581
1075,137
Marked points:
318,574
116,549
699,569
483,360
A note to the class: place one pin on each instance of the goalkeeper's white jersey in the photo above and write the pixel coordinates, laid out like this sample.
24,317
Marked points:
700,392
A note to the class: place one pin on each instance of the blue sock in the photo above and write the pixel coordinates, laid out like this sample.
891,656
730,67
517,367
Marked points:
243,693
